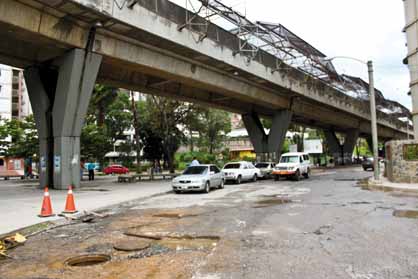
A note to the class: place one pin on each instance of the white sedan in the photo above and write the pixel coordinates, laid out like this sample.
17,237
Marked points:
199,178
240,171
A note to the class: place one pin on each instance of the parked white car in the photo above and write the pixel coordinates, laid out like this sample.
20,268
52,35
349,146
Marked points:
266,168
240,171
295,164
199,178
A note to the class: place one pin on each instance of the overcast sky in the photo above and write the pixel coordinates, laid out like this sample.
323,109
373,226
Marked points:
364,29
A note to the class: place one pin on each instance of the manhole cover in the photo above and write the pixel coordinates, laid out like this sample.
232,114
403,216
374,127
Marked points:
131,245
87,260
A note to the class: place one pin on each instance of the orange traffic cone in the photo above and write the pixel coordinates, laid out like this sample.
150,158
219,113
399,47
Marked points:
69,204
46,209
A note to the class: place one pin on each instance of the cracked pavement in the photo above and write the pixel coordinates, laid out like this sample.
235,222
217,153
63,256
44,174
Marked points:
323,227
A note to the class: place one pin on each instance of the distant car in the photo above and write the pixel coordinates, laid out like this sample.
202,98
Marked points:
116,169
266,168
240,171
295,164
199,178
368,163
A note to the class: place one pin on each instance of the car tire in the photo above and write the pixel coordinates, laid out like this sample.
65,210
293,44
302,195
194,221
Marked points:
276,177
364,168
297,175
207,187
222,185
255,178
306,175
238,181
176,192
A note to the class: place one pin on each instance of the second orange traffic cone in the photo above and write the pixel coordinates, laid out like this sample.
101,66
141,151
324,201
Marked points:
46,209
69,204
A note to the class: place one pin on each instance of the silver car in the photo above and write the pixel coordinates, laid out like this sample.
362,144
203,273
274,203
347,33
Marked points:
199,178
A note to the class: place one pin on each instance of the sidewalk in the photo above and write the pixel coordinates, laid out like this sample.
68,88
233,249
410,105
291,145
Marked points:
20,201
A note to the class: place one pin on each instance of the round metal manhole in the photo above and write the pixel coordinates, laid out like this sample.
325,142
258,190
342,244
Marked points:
87,260
132,245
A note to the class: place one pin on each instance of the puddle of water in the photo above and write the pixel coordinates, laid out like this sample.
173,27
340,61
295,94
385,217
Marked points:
406,213
87,260
272,202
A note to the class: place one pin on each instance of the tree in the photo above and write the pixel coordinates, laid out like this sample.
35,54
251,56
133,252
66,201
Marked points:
109,116
165,117
19,138
215,125
102,97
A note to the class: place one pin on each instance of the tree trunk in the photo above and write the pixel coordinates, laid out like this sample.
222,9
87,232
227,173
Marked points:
136,128
191,141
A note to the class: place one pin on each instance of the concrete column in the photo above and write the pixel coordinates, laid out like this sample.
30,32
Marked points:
342,153
62,92
268,147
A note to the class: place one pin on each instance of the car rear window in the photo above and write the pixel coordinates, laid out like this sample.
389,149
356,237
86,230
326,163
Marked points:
232,166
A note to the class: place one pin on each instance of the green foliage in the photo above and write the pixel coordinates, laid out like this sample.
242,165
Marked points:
185,158
107,118
19,138
215,124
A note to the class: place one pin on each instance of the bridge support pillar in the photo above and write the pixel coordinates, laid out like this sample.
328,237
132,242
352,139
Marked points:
60,92
267,147
342,153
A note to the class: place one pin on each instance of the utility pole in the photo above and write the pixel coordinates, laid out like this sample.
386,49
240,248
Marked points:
373,120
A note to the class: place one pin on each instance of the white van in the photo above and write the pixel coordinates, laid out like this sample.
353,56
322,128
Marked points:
293,164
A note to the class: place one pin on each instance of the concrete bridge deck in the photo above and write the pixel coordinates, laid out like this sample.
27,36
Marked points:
143,50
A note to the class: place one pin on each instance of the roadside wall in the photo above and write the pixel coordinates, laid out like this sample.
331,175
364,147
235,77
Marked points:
402,161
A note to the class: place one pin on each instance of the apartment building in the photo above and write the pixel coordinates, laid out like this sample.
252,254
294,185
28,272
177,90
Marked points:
14,99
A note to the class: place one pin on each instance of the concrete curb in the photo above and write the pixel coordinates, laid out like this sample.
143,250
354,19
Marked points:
387,186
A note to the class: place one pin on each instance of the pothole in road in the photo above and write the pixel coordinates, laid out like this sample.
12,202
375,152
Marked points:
87,260
271,202
406,213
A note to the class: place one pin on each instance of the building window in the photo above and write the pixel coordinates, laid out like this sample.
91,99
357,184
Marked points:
1,162
410,152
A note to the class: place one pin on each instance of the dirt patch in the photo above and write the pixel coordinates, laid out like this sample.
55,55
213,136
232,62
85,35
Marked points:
189,243
61,252
406,213
174,215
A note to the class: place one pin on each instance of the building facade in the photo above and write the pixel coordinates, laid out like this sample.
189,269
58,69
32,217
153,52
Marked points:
14,98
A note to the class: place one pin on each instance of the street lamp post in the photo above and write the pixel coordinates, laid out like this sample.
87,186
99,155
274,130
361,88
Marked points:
373,120
372,113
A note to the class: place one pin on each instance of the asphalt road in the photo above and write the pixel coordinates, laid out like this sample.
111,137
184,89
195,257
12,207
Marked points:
330,229
323,227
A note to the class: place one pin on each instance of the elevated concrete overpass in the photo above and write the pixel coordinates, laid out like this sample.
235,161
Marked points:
65,45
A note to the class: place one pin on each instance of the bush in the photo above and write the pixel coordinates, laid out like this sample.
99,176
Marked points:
185,158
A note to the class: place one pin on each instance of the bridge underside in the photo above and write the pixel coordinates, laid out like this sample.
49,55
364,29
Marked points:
21,48
42,38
